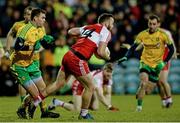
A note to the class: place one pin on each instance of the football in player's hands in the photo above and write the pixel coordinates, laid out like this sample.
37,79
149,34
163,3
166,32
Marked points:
106,50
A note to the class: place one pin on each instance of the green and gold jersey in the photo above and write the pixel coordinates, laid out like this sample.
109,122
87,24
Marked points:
154,46
30,34
18,25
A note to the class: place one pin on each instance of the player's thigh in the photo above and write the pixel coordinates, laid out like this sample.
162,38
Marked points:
86,80
77,101
144,76
35,75
20,74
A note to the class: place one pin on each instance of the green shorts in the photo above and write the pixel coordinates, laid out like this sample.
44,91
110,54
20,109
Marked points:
26,75
152,72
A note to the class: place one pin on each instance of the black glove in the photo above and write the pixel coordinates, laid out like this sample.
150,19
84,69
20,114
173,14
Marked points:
122,60
47,41
19,44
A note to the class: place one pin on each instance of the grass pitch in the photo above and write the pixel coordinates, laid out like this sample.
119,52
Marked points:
152,111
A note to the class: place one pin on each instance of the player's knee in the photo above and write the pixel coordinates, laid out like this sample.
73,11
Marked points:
162,81
41,89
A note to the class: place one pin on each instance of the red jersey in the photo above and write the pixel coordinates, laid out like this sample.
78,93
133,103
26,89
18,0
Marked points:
89,39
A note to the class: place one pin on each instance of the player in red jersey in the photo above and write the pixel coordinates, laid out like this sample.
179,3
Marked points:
165,89
102,93
90,39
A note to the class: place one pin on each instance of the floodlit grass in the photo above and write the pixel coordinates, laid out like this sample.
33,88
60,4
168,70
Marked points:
152,111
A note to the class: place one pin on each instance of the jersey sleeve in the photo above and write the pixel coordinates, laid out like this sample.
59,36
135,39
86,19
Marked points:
105,35
81,29
168,38
16,27
138,39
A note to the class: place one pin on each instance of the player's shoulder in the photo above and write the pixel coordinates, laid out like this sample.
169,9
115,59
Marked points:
143,32
94,26
165,31
18,23
99,28
96,72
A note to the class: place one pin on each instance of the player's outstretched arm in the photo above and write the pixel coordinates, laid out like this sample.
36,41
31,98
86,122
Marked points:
128,54
45,43
9,41
74,31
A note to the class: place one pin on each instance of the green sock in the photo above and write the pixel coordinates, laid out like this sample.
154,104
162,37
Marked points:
139,102
22,98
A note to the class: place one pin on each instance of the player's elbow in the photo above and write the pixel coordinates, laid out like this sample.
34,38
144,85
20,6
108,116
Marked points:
73,31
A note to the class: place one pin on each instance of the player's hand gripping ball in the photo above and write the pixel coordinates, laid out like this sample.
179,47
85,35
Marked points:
106,50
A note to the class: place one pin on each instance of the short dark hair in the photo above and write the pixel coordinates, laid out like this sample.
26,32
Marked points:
103,17
29,8
108,66
37,12
153,16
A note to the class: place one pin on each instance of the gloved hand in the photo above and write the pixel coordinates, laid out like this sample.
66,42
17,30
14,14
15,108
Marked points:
122,60
48,38
7,54
160,66
19,44
47,41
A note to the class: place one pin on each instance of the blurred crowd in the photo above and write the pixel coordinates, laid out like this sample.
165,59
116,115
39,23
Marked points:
130,15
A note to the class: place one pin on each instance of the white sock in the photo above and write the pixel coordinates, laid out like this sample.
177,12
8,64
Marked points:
169,100
84,112
37,101
139,108
164,102
109,106
58,103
